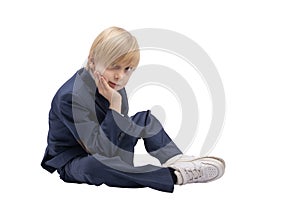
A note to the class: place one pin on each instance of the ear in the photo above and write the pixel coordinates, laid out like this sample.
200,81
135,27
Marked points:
96,75
92,63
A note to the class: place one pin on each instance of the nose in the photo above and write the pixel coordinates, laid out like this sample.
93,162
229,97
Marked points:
118,75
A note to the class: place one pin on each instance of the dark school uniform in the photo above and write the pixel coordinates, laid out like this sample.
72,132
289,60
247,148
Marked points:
90,143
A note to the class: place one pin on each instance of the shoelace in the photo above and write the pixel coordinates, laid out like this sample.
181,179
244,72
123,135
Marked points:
193,174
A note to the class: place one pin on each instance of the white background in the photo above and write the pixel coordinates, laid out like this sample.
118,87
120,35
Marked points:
255,46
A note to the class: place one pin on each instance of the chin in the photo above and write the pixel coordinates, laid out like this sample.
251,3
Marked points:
119,88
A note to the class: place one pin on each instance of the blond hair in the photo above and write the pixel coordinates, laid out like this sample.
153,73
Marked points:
112,46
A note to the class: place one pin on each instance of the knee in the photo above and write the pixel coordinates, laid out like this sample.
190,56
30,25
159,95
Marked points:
142,118
91,166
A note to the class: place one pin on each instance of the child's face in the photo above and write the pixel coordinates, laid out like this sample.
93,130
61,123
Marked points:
117,75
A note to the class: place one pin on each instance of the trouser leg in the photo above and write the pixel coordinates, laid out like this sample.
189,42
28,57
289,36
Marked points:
114,172
156,140
143,125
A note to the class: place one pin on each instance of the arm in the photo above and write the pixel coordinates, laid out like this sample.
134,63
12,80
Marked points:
79,115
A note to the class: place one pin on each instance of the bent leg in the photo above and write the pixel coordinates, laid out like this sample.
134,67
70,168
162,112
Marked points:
96,170
156,140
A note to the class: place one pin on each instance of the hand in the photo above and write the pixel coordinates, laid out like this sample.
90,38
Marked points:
114,98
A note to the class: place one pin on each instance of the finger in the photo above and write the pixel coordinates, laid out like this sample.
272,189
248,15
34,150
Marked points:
100,80
99,83
96,75
104,83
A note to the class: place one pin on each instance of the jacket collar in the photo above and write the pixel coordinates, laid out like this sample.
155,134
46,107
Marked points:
87,79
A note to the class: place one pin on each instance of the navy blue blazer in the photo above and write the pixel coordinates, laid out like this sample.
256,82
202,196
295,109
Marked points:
81,123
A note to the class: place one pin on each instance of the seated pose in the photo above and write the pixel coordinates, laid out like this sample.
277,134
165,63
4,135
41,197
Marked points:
91,138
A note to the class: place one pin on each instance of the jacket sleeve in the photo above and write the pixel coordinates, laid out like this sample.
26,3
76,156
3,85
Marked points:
95,136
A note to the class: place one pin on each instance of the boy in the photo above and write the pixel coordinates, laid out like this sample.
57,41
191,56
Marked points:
91,139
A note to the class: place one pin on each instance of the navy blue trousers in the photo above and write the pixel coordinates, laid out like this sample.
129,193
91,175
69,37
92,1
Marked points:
118,170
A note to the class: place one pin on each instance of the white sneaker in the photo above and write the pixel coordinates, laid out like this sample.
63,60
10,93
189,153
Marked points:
190,169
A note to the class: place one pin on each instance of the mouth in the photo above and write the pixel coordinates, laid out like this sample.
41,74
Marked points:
111,84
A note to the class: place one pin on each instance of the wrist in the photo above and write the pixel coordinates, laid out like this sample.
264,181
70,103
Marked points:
116,105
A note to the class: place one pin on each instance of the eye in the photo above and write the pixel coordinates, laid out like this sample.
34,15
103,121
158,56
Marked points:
129,69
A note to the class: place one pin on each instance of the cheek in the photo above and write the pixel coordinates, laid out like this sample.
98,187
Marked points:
123,82
107,75
126,79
